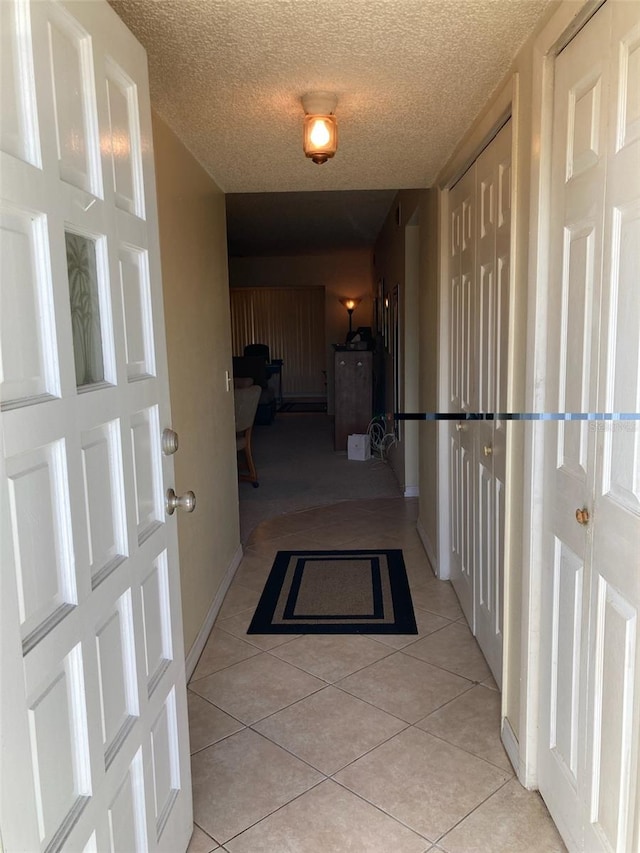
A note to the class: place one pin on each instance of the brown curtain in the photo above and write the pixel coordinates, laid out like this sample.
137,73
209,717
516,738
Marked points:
290,320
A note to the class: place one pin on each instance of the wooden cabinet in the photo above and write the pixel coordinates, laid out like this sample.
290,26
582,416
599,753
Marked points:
353,390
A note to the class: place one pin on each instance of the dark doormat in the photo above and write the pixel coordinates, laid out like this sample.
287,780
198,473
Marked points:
336,592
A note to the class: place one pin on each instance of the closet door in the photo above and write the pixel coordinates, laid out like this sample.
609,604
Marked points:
462,387
479,250
493,241
590,691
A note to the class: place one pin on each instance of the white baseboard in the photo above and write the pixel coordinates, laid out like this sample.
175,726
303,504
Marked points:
411,492
428,547
510,742
203,634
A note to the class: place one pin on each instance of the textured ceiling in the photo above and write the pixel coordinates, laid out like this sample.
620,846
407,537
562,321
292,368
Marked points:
410,75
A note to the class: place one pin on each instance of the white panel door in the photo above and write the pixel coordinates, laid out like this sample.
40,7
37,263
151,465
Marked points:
590,686
93,704
462,389
493,242
479,270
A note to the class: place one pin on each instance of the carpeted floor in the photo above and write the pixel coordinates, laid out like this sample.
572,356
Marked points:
298,469
303,406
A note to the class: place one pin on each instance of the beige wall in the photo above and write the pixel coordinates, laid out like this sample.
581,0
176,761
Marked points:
193,247
341,273
396,255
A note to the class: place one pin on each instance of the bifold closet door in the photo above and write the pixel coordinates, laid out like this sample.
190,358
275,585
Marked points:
479,270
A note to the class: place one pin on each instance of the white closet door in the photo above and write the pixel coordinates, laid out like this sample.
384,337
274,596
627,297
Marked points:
590,702
479,256
93,712
493,241
462,397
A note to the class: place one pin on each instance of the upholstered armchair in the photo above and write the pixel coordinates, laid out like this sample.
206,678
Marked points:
246,403
256,368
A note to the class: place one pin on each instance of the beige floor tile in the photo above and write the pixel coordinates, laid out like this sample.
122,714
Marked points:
472,722
253,572
241,780
438,597
237,625
426,623
200,842
237,599
490,683
257,687
328,819
453,648
208,724
330,729
331,656
426,783
404,686
513,820
221,650
419,572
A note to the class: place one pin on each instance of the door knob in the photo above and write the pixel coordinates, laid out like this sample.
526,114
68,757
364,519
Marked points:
169,441
187,502
461,428
487,450
582,516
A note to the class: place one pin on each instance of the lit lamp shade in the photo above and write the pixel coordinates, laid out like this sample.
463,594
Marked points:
320,137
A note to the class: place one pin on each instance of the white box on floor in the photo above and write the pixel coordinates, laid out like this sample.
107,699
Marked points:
358,447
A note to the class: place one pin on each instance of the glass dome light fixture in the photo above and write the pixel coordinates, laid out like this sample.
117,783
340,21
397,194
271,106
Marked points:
320,140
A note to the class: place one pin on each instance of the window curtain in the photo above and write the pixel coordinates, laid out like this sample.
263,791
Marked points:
290,320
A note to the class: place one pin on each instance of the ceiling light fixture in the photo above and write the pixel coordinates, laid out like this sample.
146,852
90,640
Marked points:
320,126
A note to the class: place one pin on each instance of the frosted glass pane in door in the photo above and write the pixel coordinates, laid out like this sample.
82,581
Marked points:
85,309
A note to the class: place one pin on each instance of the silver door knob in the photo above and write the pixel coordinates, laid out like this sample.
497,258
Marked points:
187,502
169,441
487,450
461,428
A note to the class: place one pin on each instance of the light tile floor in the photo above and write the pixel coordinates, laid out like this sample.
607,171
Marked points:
324,744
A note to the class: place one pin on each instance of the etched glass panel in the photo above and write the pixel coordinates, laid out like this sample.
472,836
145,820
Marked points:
85,309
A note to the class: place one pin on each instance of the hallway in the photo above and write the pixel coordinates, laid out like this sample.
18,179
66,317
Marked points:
319,743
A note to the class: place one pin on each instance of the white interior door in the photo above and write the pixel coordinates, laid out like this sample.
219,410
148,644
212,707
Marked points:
493,241
462,387
590,686
479,270
92,711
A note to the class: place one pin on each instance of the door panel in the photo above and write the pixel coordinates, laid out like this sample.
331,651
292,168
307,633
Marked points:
479,267
93,706
493,169
462,363
593,338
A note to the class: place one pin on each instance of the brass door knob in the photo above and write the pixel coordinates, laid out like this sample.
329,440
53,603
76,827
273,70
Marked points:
487,450
582,516
187,502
